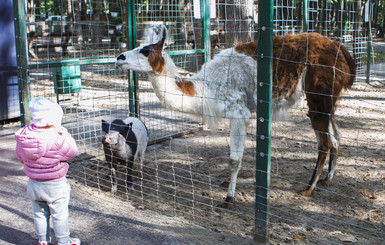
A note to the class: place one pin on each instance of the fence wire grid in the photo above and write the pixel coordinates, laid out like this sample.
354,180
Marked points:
186,163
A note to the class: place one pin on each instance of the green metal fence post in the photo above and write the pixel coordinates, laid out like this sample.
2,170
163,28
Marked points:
22,63
305,16
205,9
264,95
133,76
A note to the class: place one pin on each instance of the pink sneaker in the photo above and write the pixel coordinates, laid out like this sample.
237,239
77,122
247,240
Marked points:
43,243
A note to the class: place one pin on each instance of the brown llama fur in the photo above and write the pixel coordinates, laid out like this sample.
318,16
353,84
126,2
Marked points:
328,68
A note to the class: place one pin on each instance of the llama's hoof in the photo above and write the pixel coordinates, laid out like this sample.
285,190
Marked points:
114,189
228,204
130,188
325,182
225,184
307,192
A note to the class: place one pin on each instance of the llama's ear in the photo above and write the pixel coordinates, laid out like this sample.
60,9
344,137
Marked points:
152,37
162,36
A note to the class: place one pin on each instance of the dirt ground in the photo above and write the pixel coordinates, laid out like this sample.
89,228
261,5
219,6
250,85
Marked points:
175,200
182,177
95,217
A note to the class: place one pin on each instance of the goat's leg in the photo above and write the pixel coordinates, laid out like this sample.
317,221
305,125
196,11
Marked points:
141,159
114,184
140,168
129,182
237,145
320,125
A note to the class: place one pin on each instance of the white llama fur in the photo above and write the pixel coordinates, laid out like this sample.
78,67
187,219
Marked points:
225,88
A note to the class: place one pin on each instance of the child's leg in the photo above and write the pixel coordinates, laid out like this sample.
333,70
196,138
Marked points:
41,213
59,213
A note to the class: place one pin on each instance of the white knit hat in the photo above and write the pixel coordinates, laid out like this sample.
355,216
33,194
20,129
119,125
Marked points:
45,112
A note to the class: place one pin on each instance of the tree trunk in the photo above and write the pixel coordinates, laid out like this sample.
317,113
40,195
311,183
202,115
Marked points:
357,31
340,19
97,31
237,27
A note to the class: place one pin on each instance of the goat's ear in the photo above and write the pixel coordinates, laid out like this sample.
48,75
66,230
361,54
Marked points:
129,127
126,130
162,36
105,126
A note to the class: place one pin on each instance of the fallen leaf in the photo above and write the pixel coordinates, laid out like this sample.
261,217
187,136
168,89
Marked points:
299,237
372,196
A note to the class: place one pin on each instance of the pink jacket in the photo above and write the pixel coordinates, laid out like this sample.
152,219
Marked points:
44,152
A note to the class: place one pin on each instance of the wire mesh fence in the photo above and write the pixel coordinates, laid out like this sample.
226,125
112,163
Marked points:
72,49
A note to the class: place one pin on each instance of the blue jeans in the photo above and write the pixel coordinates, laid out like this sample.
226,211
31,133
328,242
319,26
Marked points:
50,200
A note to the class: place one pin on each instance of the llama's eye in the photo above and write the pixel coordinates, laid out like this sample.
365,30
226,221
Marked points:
145,51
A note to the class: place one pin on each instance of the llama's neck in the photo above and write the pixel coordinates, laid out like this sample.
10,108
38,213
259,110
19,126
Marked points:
166,89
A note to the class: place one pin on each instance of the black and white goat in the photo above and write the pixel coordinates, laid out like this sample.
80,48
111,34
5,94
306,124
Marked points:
226,87
124,142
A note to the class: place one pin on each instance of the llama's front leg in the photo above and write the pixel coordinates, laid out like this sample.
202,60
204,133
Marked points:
237,145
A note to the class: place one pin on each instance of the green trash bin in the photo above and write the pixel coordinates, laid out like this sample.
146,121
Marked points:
66,77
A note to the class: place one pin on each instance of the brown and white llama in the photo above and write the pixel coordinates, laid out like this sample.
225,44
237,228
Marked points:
226,87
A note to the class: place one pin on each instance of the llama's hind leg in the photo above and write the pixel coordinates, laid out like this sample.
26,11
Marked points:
320,125
335,144
237,145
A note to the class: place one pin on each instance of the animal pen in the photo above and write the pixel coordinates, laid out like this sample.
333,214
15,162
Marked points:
66,51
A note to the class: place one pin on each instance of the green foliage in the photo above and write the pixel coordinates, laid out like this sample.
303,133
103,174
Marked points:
378,58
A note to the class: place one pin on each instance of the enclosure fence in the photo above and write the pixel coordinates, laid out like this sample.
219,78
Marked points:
66,51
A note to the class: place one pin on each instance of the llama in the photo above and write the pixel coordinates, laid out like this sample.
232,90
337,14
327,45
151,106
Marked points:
226,87
124,142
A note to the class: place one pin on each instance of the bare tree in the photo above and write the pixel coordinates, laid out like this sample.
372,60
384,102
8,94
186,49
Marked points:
237,14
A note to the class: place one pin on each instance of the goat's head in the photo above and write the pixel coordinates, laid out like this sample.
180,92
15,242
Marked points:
146,58
114,131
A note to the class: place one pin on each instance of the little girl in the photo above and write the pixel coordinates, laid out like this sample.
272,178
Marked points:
43,148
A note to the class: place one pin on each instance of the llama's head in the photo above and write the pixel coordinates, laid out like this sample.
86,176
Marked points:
146,58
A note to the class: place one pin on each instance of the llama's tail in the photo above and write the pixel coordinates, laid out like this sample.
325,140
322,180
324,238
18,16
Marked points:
352,65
